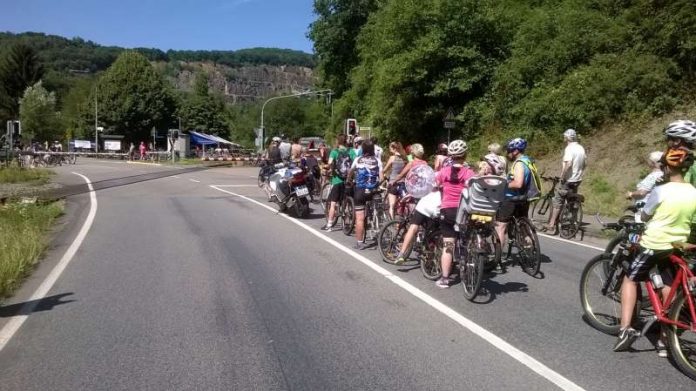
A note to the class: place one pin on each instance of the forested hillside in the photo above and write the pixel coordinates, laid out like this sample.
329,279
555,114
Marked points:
522,67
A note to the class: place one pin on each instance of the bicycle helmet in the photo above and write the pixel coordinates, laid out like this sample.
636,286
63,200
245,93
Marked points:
519,144
570,134
276,139
682,129
457,148
494,163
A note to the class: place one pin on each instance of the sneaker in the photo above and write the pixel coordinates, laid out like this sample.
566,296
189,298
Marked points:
360,246
661,349
443,283
626,338
400,260
327,227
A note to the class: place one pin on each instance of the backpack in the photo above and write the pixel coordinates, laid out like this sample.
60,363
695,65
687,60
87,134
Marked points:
342,164
533,188
368,172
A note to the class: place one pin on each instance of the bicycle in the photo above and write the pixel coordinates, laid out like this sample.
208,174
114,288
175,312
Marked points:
428,245
676,313
477,243
570,217
375,214
522,236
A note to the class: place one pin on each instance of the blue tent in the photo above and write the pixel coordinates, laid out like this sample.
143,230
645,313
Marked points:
202,139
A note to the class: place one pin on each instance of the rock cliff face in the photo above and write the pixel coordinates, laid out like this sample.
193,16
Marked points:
246,83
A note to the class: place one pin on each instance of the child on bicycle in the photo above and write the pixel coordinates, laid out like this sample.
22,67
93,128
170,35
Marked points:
669,211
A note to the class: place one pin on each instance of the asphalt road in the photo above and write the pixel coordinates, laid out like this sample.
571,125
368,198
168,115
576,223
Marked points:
181,286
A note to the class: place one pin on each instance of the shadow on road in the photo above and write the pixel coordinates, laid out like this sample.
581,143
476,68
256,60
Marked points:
29,307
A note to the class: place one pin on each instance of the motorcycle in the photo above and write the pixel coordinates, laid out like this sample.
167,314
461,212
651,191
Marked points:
287,187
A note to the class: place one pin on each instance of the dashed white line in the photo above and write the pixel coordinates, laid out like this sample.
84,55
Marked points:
16,322
497,342
194,180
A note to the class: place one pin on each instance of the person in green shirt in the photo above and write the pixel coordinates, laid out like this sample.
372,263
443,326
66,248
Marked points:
669,211
340,161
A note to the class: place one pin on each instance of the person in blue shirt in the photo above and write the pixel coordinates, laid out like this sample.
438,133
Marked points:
519,178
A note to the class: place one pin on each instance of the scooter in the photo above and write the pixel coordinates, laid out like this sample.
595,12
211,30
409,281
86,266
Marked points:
287,187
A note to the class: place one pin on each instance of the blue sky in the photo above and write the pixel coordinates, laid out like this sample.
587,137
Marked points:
167,24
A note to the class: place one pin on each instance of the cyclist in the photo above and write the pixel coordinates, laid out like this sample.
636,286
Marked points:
367,170
520,177
378,150
393,168
491,165
340,159
296,150
669,211
357,145
441,157
285,148
495,160
452,180
274,154
647,184
572,171
682,134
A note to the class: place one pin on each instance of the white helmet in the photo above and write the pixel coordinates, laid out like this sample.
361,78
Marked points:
683,129
276,139
457,148
570,134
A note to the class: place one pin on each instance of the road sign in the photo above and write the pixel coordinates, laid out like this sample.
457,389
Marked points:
450,115
449,125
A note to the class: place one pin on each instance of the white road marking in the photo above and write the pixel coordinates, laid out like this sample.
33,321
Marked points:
235,185
194,180
497,342
176,176
16,322
571,242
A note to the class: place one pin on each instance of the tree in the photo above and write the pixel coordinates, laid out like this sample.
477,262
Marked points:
133,98
37,111
334,34
77,110
19,69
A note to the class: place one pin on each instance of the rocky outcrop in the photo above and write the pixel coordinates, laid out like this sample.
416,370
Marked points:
246,83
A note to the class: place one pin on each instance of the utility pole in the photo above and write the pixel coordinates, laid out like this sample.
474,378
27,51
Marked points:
96,122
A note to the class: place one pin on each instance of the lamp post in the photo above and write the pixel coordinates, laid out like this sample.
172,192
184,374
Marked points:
317,92
96,122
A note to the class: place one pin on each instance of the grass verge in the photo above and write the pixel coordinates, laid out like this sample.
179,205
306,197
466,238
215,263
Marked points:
21,175
23,238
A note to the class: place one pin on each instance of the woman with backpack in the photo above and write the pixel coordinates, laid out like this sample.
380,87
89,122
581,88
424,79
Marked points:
367,171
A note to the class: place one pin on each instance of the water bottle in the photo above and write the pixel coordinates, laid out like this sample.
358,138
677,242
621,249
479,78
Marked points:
656,279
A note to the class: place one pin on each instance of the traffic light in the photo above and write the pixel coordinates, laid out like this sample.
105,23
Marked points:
351,127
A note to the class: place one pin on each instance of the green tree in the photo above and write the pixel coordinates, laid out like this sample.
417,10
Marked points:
37,111
77,110
133,98
334,33
19,69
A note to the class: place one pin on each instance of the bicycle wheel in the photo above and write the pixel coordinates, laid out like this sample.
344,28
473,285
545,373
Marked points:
570,220
528,245
495,255
348,215
539,208
430,255
681,342
600,294
471,267
390,238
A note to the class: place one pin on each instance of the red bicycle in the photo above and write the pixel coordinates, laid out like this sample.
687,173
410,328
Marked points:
600,295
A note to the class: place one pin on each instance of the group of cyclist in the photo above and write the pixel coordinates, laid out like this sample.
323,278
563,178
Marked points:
359,160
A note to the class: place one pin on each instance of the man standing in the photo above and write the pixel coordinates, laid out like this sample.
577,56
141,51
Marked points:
341,161
285,147
378,149
572,170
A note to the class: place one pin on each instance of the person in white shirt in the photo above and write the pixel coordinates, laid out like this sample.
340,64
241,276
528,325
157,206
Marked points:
572,170
378,149
647,184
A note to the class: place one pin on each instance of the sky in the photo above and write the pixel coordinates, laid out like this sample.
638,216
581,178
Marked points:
167,24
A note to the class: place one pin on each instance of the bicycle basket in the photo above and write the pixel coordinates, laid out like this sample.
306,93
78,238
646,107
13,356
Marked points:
482,196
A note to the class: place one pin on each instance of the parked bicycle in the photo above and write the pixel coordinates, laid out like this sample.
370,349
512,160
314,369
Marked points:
523,238
570,217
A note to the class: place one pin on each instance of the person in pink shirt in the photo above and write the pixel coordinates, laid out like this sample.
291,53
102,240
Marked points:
451,180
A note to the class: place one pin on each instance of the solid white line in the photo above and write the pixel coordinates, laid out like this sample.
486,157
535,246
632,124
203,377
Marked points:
497,342
175,176
571,242
194,180
16,322
235,185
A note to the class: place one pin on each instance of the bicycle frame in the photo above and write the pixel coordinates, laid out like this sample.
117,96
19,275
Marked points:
681,279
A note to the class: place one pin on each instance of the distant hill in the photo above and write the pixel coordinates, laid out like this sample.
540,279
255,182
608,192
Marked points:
63,54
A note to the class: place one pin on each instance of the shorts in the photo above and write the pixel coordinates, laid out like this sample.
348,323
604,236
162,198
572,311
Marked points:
646,260
397,189
362,196
337,192
509,209
418,218
563,191
448,217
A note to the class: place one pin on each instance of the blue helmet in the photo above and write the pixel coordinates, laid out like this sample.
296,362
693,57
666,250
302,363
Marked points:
519,144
